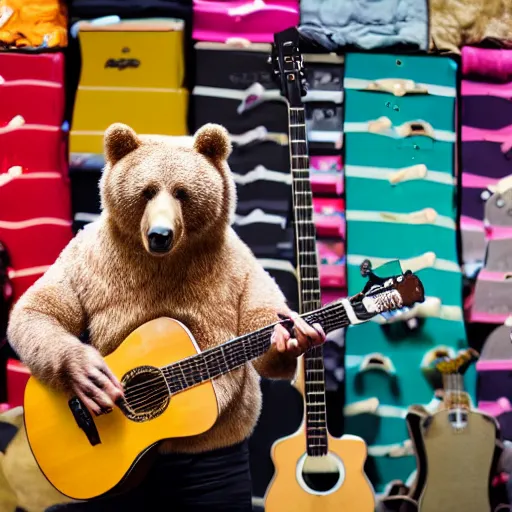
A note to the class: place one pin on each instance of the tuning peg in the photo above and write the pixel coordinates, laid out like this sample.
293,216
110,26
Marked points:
365,267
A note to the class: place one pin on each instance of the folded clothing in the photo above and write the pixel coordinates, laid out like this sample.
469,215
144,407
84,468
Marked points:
485,158
255,21
34,24
483,62
365,24
486,112
455,23
88,9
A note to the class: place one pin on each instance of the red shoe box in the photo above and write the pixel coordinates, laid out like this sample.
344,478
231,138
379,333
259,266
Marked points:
17,377
41,66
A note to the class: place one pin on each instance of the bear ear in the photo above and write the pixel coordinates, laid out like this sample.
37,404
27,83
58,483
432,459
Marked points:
119,140
212,141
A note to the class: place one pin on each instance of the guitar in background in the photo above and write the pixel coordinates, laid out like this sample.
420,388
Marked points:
456,447
313,471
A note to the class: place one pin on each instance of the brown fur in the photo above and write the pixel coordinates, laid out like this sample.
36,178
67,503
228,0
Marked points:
456,23
106,280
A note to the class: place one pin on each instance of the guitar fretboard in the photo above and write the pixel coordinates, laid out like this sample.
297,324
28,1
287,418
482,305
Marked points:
233,354
309,282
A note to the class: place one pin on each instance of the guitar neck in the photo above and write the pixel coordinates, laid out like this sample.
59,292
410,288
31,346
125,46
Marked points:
305,231
455,395
233,354
308,280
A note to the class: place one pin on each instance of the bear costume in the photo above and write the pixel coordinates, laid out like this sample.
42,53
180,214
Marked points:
119,273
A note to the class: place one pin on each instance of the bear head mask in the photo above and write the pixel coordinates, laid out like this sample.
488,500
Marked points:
163,195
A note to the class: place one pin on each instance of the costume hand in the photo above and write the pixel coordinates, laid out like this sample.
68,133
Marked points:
304,337
93,382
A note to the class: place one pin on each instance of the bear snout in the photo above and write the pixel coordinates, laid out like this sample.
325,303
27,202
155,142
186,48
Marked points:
161,225
160,239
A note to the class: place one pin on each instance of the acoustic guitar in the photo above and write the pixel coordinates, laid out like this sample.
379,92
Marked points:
168,394
313,470
456,447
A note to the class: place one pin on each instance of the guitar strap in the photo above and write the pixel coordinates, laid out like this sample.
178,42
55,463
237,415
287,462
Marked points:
400,202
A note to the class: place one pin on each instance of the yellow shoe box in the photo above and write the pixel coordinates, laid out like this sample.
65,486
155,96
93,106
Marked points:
133,53
145,110
132,72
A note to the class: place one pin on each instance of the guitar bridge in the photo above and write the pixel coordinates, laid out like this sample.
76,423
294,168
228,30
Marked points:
84,420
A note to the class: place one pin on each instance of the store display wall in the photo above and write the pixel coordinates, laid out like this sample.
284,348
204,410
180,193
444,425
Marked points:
410,158
401,203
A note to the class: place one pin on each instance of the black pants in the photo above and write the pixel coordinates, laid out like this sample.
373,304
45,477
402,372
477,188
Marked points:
214,481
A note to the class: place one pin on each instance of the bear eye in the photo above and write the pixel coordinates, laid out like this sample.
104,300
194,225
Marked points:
181,194
149,192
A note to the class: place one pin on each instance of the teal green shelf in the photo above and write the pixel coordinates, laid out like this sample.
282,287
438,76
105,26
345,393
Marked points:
363,106
422,69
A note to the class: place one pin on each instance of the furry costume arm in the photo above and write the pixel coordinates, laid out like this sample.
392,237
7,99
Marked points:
46,321
260,302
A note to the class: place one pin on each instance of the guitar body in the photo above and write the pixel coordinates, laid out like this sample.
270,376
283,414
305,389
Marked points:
83,471
459,465
414,421
288,491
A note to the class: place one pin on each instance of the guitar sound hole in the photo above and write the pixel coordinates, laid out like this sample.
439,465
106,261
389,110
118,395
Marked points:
322,474
321,482
146,393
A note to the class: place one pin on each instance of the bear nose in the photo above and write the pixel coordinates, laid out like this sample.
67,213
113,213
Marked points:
160,239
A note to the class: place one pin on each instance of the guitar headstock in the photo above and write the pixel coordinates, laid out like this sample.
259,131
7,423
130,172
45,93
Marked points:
385,294
288,66
459,364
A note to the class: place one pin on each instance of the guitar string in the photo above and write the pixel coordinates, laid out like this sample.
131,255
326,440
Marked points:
178,373
337,312
454,392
